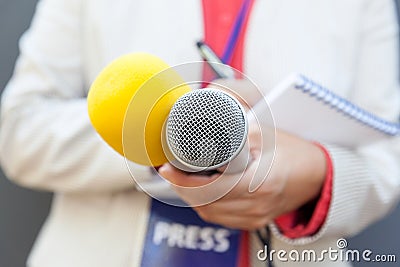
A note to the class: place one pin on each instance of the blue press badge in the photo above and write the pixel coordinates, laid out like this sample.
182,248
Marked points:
178,237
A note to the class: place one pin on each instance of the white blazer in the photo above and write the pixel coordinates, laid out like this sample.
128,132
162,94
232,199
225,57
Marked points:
98,217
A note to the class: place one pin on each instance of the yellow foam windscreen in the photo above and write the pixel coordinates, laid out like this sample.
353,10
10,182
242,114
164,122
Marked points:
129,102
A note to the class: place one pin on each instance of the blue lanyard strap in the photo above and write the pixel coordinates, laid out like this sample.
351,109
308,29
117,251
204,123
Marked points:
234,36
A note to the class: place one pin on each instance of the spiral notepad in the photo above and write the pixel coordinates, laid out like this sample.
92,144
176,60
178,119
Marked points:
303,107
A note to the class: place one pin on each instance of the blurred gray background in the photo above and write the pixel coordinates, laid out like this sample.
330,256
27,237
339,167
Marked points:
23,211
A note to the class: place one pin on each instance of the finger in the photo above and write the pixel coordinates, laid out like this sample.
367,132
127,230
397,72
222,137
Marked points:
185,179
241,188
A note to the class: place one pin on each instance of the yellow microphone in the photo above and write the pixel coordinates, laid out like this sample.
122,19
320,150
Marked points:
129,102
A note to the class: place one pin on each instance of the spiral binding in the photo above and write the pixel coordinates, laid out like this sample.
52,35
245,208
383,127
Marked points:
346,107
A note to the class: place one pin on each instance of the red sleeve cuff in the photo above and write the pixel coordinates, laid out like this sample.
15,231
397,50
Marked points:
308,219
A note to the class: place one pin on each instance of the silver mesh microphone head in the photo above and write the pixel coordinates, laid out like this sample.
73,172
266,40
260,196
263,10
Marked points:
206,129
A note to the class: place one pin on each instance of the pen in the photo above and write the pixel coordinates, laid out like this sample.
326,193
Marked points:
210,57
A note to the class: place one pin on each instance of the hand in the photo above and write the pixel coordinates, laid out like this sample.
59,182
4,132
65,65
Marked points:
296,177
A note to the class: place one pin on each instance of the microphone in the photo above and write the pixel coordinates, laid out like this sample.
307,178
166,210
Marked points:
146,112
207,129
130,100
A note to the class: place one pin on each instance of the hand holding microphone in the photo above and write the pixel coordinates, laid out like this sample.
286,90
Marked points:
263,191
129,106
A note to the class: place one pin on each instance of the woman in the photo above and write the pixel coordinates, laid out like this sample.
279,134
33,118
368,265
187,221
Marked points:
99,218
